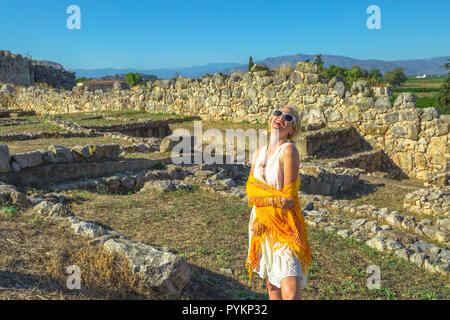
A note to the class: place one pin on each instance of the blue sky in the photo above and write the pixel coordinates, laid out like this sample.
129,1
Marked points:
163,33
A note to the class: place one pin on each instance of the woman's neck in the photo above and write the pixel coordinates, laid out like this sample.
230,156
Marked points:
275,142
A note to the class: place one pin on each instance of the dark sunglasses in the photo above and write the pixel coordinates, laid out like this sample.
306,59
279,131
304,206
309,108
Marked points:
287,117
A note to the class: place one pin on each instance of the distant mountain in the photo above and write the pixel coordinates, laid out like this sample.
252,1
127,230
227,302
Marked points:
164,73
411,67
123,77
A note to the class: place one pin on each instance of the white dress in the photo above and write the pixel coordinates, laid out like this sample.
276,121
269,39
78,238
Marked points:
279,264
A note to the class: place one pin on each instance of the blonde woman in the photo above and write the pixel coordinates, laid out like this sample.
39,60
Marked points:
278,245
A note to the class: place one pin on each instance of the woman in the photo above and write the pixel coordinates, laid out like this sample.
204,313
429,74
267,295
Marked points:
278,250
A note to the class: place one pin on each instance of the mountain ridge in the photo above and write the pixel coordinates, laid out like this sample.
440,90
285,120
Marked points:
411,66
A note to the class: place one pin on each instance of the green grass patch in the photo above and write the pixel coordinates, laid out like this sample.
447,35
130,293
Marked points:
9,209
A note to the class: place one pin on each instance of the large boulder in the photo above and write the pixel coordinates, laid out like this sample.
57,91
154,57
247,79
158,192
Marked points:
105,151
81,153
405,100
62,154
157,269
29,159
4,158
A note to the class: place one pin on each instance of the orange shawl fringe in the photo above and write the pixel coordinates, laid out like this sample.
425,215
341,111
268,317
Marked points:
283,226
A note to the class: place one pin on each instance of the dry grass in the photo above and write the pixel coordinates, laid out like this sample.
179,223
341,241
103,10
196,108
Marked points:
35,253
102,274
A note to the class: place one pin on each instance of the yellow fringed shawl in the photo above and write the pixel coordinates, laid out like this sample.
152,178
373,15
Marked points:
285,226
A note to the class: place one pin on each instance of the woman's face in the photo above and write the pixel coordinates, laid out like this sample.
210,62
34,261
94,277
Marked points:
278,123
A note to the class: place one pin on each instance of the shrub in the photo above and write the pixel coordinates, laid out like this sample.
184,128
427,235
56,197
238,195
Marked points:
395,77
443,98
134,79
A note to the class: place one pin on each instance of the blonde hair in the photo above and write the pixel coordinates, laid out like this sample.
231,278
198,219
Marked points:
297,124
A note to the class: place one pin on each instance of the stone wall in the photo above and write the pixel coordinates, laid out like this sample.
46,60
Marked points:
18,70
57,78
15,69
415,139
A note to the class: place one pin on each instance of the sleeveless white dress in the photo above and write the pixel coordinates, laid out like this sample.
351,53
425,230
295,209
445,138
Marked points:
279,264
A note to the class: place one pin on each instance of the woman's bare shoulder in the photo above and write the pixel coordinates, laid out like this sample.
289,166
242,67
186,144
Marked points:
290,150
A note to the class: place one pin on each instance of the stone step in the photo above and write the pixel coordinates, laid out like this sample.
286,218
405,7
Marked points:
366,160
327,142
43,176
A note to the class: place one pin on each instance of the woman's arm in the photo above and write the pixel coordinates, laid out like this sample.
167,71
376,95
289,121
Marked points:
291,160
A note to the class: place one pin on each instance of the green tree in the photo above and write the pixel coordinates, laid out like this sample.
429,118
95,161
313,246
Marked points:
82,79
395,77
250,63
319,62
134,79
375,77
443,98
334,71
355,74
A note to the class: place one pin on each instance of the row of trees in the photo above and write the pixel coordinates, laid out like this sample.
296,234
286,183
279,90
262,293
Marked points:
83,79
394,77
132,79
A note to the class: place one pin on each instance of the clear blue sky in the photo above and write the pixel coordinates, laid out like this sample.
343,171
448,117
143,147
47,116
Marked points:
163,33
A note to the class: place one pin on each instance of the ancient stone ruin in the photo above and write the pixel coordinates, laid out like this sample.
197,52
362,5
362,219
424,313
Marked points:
16,69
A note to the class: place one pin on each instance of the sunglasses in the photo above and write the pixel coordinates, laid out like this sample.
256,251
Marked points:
286,116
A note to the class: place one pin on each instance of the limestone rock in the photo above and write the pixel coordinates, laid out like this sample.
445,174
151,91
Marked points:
158,270
160,185
113,183
105,151
377,243
418,258
393,245
58,210
43,208
403,253
344,233
395,219
62,154
29,159
86,228
80,153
